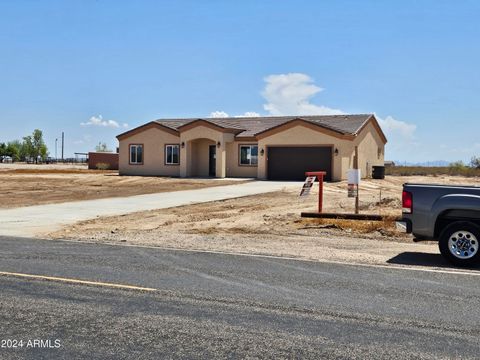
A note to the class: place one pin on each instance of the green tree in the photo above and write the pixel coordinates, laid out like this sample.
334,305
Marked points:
34,147
475,162
43,152
27,150
3,149
14,149
102,147
39,146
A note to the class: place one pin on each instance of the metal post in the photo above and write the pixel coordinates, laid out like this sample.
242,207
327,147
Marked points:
56,141
319,176
320,193
63,143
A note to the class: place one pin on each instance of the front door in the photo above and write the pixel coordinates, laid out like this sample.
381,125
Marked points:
212,164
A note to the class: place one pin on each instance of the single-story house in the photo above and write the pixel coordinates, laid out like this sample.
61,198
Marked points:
274,148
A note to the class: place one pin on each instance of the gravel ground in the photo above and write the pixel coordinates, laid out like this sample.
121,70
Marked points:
270,224
26,185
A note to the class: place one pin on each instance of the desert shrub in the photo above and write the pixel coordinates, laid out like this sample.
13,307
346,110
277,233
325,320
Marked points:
457,166
455,169
102,166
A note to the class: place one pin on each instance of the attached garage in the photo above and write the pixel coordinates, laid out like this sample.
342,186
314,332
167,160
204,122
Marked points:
291,163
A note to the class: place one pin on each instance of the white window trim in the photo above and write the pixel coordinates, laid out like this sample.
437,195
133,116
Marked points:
166,154
250,160
136,146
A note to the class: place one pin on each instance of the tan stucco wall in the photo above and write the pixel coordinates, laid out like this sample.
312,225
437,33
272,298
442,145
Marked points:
201,132
153,141
369,142
204,132
303,136
234,169
200,157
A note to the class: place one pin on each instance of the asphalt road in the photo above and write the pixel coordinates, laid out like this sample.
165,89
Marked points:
224,306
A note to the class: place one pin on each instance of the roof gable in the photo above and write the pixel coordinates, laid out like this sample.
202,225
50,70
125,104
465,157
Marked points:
150,125
342,126
216,125
373,120
302,122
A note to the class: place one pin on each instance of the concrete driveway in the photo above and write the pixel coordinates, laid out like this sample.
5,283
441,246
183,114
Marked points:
40,219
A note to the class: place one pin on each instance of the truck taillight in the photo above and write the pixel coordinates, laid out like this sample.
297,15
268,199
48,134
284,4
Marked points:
407,202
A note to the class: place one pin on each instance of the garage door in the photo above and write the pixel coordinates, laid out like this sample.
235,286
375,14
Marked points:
291,163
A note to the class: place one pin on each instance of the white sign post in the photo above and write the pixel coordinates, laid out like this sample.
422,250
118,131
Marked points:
354,176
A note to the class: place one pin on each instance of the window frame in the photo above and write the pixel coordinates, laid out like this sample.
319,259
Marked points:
136,154
240,155
166,154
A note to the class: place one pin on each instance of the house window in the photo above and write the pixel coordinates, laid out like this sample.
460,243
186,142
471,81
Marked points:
172,154
136,154
248,154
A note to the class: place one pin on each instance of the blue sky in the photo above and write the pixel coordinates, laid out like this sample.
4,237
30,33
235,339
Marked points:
96,68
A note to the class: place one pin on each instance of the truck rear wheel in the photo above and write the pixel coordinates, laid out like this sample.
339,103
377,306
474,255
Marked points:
459,243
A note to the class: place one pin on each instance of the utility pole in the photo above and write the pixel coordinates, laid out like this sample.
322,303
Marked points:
56,141
63,143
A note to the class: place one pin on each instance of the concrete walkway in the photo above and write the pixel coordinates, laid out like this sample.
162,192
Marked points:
37,220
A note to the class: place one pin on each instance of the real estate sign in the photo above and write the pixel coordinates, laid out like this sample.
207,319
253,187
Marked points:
307,186
353,177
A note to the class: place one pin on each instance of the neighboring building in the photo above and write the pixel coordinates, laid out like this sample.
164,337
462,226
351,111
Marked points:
103,160
389,163
6,159
275,148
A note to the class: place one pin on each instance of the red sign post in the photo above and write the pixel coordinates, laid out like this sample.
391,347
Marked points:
319,175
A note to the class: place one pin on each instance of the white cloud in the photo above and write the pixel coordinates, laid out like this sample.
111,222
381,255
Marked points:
397,128
218,114
223,114
98,121
402,142
290,94
249,114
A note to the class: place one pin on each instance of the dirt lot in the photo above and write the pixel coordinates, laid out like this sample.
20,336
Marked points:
270,224
43,184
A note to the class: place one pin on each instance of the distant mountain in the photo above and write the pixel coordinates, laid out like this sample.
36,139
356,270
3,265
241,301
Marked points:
425,164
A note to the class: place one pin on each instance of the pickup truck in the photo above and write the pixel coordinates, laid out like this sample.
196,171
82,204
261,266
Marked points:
449,214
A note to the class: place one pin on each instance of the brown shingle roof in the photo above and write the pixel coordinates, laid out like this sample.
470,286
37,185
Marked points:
251,126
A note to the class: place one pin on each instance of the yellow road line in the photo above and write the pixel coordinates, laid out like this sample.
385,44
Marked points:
76,281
